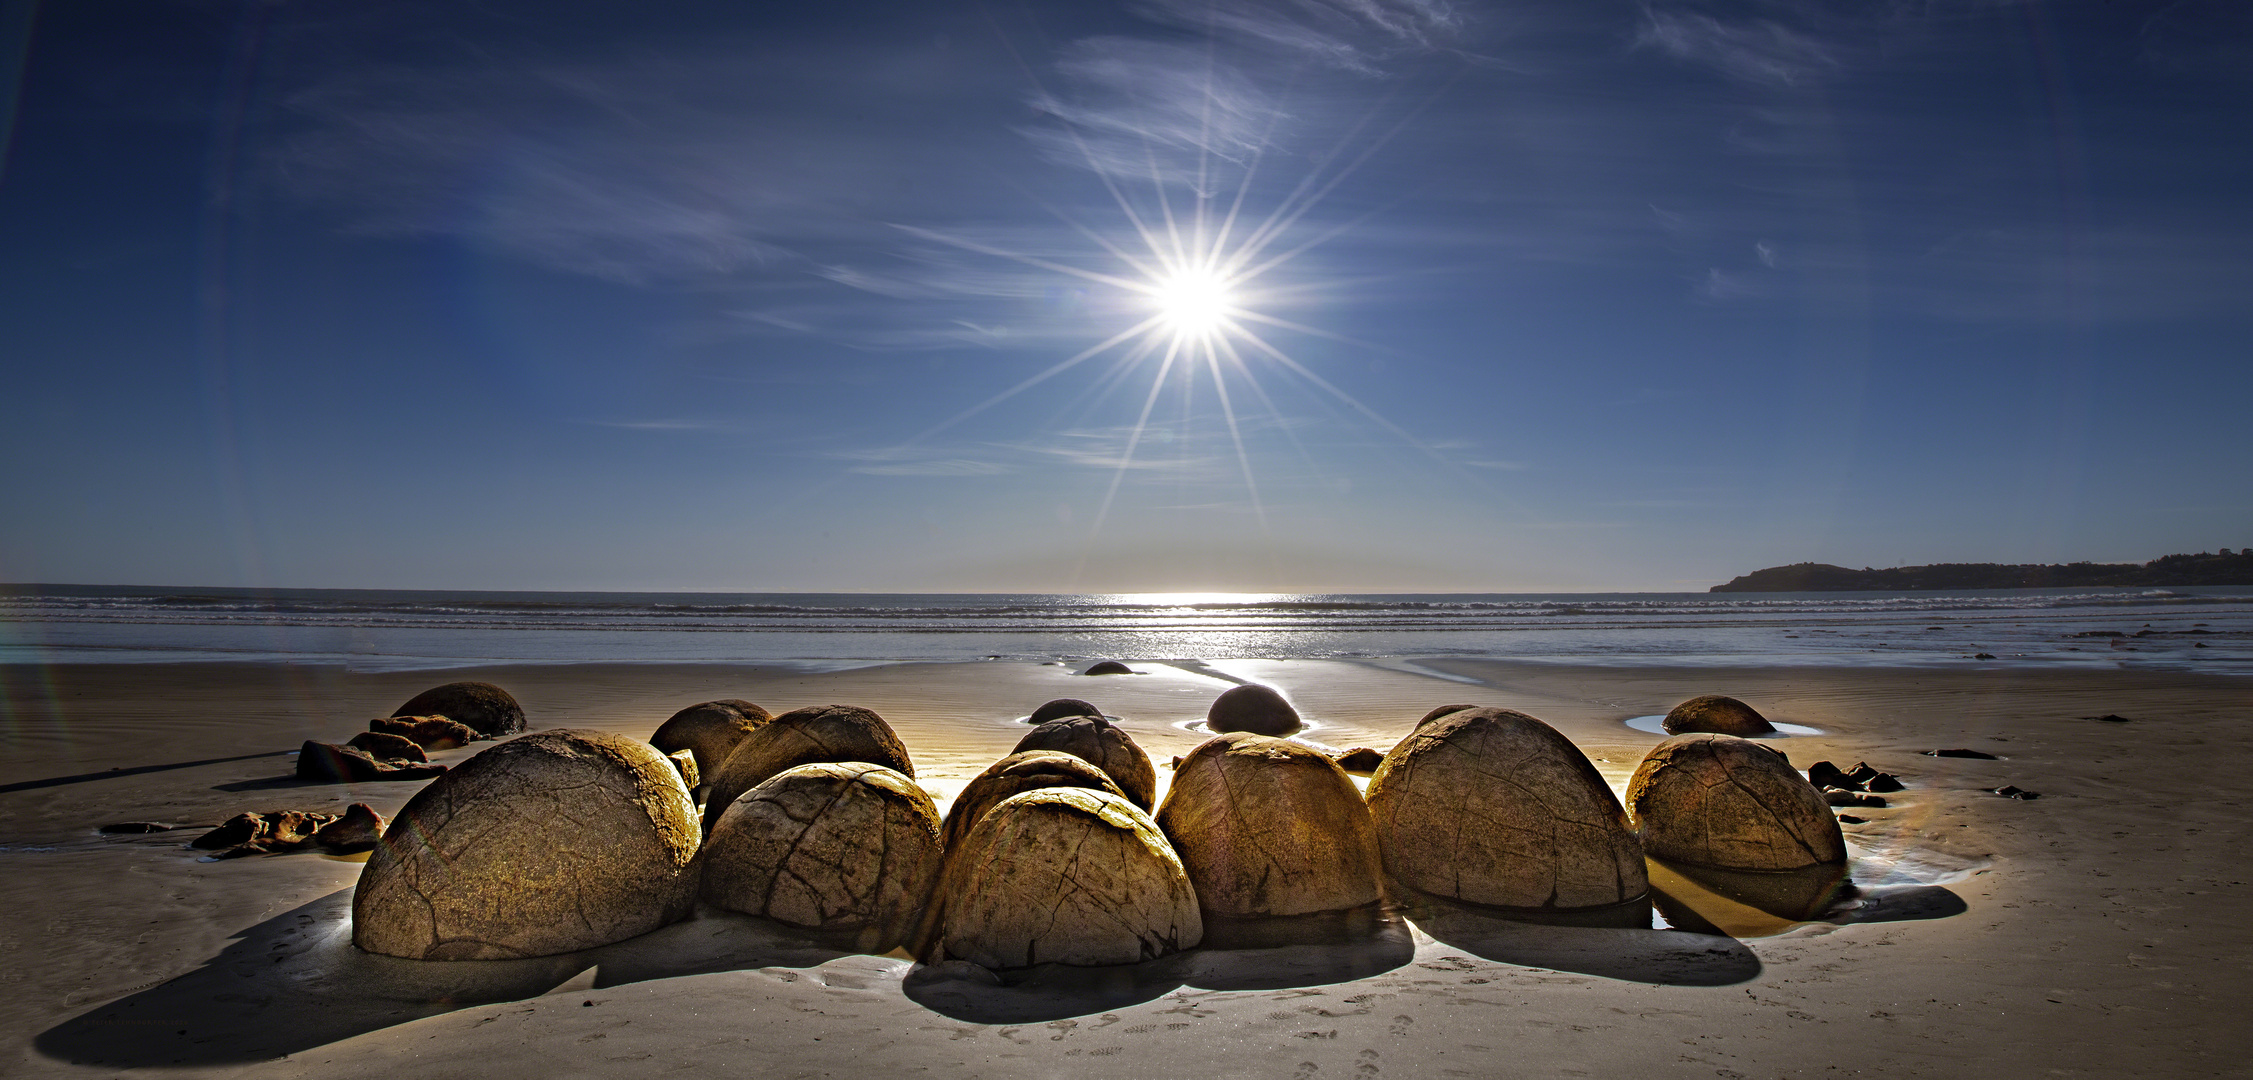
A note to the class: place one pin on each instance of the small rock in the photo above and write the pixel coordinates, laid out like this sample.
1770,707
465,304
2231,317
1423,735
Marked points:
1108,667
1884,781
428,732
387,747
2109,718
2015,792
1962,753
276,832
330,762
684,763
1849,819
1983,656
1823,774
360,829
1843,797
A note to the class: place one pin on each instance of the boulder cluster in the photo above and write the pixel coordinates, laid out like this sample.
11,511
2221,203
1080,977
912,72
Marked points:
1059,852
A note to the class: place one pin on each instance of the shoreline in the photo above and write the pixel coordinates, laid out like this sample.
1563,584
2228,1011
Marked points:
2110,907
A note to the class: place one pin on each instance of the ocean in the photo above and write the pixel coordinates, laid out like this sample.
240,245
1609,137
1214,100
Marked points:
2189,629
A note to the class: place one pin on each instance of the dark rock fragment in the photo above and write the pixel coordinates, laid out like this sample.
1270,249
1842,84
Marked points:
428,732
2013,791
1983,656
1360,759
1107,667
1823,774
387,747
2109,718
1849,819
1884,781
330,762
275,832
1962,753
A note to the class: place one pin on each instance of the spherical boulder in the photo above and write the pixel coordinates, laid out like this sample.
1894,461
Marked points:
1442,711
1061,708
483,707
1268,827
837,847
803,737
1062,875
549,843
1254,708
1730,803
710,730
1096,739
1718,715
1494,807
1107,667
1014,775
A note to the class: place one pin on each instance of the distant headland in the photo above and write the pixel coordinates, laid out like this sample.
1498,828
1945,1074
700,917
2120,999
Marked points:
2205,568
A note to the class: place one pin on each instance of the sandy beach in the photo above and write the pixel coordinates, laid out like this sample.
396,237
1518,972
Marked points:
2098,930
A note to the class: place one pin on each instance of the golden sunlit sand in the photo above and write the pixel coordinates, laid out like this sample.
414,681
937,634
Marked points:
2095,931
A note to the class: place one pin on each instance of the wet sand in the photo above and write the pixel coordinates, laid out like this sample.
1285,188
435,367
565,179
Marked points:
2099,930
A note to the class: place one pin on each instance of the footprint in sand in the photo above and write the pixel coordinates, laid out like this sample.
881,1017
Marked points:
1010,1034
1141,1029
1400,1024
1103,1021
1063,1028
1367,1065
1307,1069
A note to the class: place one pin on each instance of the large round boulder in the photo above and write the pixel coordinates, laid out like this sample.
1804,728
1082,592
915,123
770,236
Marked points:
1015,775
1251,707
1098,740
1270,827
1732,804
1494,807
837,847
1061,708
1718,715
1107,667
804,737
485,708
550,843
1067,876
710,731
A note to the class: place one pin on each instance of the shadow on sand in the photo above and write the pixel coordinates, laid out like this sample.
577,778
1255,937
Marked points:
1628,953
295,982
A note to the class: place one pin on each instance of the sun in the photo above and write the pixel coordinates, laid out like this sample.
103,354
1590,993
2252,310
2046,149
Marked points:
1194,301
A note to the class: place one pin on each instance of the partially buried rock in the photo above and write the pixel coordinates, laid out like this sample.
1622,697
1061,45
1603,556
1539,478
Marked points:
482,707
1823,774
1848,797
711,731
1107,667
428,732
1718,715
328,762
275,832
553,842
838,847
1494,807
1728,803
1269,827
1251,707
1016,774
1959,752
388,747
806,736
1061,708
1108,746
1062,875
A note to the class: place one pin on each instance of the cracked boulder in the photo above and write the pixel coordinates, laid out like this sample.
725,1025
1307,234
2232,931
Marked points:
843,847
1016,774
710,731
1494,807
549,843
1269,827
1718,715
328,762
806,736
482,707
1729,803
428,732
388,747
1261,710
1062,876
1096,739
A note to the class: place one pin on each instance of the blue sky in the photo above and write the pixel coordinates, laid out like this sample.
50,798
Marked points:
1552,295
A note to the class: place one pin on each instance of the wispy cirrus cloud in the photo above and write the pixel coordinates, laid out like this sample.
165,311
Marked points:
1759,51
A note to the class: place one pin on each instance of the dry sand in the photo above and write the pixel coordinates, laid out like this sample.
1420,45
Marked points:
2100,930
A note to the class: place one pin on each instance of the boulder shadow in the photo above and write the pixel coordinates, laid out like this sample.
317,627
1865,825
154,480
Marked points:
1894,903
964,991
1302,950
1627,953
295,982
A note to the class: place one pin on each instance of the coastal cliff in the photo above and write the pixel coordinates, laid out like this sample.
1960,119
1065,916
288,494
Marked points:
2204,568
